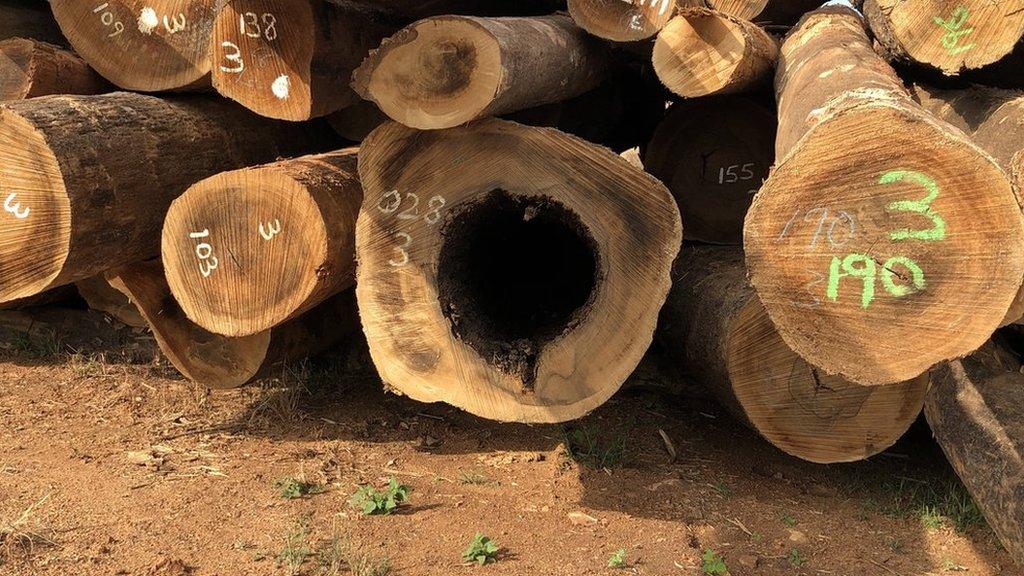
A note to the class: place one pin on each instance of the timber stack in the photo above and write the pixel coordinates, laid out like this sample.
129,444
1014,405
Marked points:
819,222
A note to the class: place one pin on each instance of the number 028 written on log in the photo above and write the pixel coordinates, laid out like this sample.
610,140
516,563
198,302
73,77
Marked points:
899,275
406,208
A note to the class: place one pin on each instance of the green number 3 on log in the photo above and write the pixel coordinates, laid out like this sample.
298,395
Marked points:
922,207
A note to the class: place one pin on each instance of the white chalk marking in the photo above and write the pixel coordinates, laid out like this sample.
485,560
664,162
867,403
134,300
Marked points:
272,229
15,207
148,20
282,87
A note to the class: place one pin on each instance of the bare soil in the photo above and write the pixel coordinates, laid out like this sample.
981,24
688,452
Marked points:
112,464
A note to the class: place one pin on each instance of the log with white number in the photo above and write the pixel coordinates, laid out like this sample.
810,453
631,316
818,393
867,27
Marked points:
292,59
514,272
142,45
75,205
884,241
250,249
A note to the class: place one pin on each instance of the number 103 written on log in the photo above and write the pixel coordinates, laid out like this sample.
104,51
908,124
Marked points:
899,275
407,208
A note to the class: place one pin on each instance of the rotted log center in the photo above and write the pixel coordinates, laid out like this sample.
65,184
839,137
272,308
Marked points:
514,274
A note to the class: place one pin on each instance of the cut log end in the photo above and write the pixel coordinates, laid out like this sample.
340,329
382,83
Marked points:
949,36
146,46
435,73
703,52
806,412
851,252
745,9
488,278
622,20
35,237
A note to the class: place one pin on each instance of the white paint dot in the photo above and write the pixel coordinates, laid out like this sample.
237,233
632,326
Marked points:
148,20
282,87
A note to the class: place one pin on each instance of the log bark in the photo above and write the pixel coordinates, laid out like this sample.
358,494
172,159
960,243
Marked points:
974,409
775,12
222,362
445,71
292,59
703,52
29,19
283,235
884,241
102,297
948,36
76,205
29,69
714,154
994,119
511,271
622,20
354,123
716,329
143,45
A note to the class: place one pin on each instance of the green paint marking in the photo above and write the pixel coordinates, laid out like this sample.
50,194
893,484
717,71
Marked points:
900,290
955,31
867,272
922,207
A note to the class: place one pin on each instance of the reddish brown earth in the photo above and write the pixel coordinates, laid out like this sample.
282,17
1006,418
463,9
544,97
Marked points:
114,465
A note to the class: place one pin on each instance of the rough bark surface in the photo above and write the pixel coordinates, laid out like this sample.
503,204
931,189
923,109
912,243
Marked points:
29,69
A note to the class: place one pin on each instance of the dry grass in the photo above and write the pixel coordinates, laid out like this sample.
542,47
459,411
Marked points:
24,532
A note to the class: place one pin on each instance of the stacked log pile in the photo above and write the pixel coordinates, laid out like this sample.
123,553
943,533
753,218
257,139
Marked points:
817,224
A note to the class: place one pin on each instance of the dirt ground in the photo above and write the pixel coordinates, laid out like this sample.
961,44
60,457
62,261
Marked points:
112,464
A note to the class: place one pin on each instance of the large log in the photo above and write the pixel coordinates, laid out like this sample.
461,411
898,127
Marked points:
949,36
445,71
29,19
974,410
102,297
716,329
29,69
515,272
77,205
703,52
884,241
221,362
714,154
282,235
143,45
622,20
292,59
994,119
778,12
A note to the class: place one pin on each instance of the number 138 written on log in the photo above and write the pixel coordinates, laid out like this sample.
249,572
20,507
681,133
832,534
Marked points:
407,208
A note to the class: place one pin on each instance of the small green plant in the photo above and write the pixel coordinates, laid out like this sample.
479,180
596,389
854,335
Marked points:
371,501
295,550
796,558
475,478
481,550
757,537
618,559
713,564
788,519
931,518
948,565
587,446
337,555
293,488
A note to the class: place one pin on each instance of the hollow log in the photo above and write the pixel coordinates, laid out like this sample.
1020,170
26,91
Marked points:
716,329
445,71
75,205
418,9
102,297
514,272
703,52
143,45
292,59
777,12
714,154
283,236
949,36
28,19
222,362
994,119
622,20
354,123
884,241
29,69
974,410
